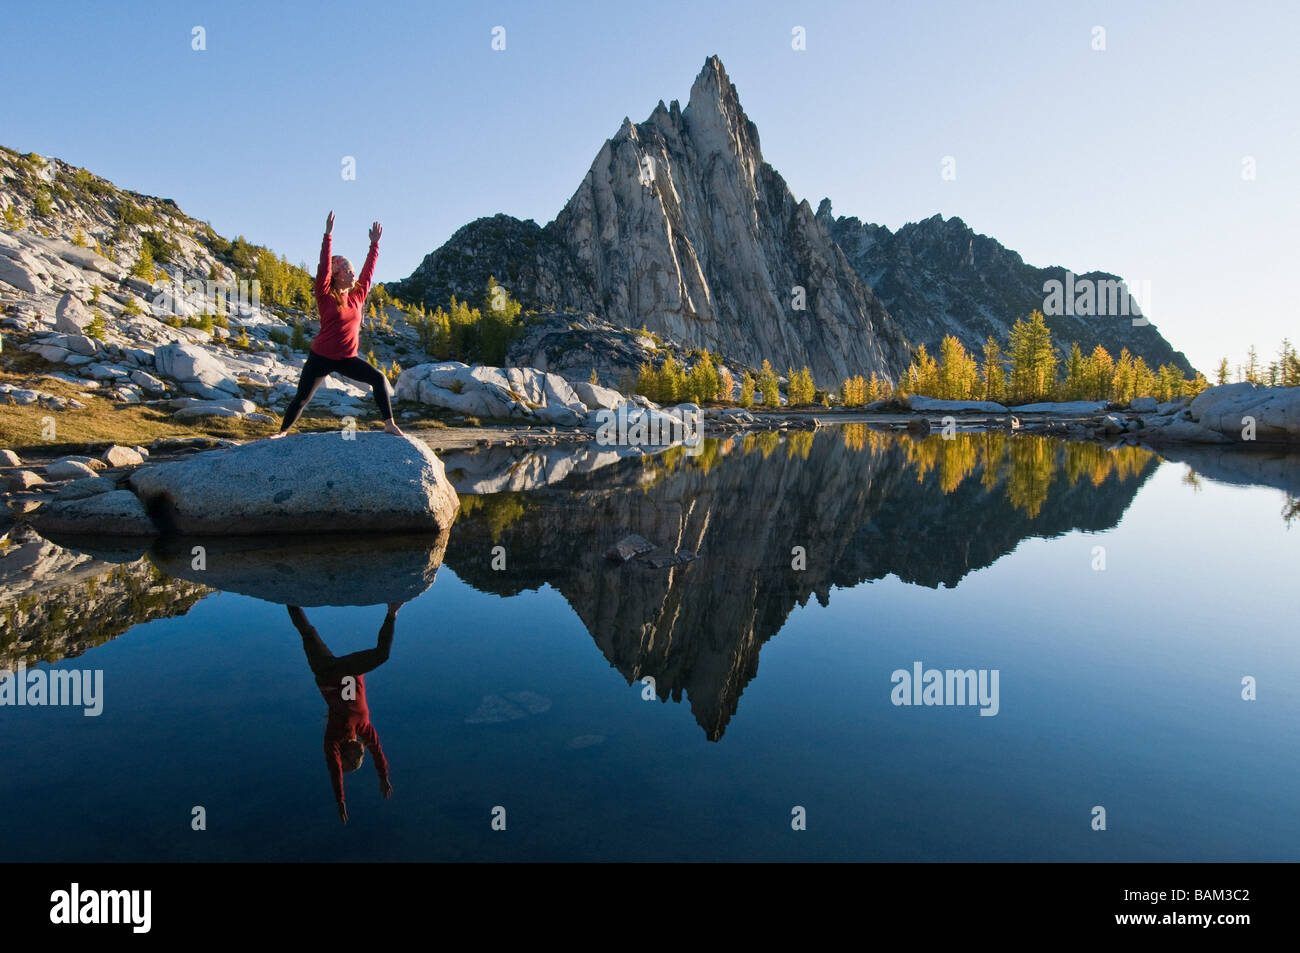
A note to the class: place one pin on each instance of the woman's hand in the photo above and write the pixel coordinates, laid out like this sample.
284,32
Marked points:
329,223
375,231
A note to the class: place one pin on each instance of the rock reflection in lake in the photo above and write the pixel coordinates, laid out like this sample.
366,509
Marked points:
850,504
860,503
496,694
342,570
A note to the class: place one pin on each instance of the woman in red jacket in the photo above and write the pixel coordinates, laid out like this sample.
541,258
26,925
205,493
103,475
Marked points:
339,299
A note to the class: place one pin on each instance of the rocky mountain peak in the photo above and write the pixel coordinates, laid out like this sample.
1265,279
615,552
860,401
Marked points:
715,118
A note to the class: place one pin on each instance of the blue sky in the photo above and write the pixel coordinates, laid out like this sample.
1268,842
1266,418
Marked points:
1127,159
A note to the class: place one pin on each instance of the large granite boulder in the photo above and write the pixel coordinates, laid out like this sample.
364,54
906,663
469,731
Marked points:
1275,410
71,316
597,397
493,392
115,513
1064,408
23,271
196,370
934,405
336,482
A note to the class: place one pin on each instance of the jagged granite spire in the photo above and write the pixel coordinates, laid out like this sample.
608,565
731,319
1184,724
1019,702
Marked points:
681,226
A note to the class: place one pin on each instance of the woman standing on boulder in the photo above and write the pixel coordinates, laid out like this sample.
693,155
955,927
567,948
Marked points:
339,298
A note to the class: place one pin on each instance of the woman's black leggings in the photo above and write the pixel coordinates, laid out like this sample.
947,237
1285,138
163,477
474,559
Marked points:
318,368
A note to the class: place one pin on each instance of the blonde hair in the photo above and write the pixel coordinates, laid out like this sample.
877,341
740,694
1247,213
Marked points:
351,754
335,293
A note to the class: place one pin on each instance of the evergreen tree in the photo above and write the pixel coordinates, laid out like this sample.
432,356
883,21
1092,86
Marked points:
1144,379
1288,365
747,385
923,375
726,385
1033,360
1100,374
1124,388
1169,383
801,389
672,382
854,391
97,327
647,382
1252,366
499,323
1221,375
769,386
958,375
1076,379
993,372
144,267
704,381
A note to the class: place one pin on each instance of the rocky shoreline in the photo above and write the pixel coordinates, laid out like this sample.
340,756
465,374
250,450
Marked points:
115,489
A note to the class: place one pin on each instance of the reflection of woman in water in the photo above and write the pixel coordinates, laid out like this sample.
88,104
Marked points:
348,731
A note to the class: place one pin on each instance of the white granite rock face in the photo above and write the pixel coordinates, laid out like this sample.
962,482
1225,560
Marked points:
519,392
71,316
303,483
935,405
1275,411
595,396
197,370
684,228
1063,407
115,513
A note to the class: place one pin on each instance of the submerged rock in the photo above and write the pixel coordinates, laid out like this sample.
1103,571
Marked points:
494,709
663,561
627,547
336,482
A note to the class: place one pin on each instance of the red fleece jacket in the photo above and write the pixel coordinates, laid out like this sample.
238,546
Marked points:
346,717
340,328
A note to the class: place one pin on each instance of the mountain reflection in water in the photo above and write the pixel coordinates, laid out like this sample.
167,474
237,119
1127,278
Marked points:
774,519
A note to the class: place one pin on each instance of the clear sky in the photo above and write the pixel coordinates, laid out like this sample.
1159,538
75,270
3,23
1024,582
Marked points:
1127,159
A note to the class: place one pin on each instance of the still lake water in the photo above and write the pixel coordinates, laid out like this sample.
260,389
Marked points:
522,687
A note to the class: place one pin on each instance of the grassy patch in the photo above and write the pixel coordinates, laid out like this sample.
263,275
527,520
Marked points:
104,419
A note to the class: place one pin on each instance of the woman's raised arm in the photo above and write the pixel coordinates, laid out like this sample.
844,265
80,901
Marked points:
368,269
323,269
